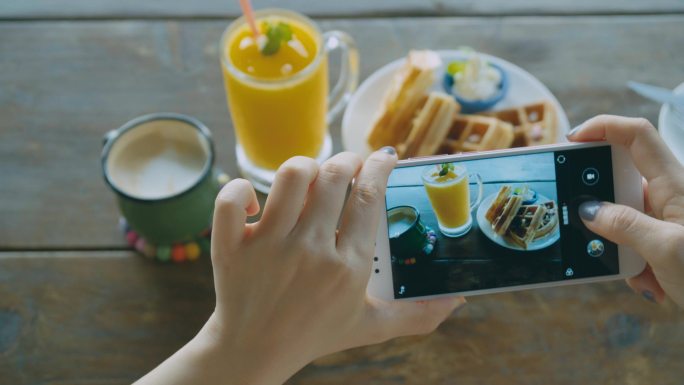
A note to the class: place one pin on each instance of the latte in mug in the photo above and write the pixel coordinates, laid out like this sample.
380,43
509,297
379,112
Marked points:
160,167
158,160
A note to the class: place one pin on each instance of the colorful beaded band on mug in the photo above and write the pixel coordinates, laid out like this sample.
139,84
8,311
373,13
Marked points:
428,247
176,252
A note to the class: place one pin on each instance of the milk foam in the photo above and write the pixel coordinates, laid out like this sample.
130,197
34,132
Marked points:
157,160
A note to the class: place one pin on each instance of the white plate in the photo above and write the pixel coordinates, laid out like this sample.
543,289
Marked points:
366,101
672,128
487,230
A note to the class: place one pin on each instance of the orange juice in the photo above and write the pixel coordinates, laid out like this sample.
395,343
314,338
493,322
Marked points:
278,102
450,197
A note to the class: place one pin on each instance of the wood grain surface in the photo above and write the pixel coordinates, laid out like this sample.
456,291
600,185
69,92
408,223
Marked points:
70,9
108,317
76,308
65,84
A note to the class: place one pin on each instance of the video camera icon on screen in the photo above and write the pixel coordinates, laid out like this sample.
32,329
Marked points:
590,176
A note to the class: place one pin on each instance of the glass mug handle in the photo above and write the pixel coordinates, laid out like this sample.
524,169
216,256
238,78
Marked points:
480,190
349,71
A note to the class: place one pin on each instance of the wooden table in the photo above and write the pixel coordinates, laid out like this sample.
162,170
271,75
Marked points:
77,307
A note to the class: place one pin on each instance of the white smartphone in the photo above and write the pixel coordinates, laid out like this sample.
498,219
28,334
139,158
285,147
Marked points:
500,221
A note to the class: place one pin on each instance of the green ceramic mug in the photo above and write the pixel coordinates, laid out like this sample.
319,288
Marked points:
408,236
161,168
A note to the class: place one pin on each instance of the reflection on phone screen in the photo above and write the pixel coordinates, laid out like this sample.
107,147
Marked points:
497,222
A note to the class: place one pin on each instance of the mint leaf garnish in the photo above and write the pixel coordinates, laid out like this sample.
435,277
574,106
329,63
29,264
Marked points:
285,31
276,34
444,168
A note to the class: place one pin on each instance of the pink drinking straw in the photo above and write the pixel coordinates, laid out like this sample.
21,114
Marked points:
249,15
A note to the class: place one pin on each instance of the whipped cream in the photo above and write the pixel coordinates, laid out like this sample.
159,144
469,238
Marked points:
477,81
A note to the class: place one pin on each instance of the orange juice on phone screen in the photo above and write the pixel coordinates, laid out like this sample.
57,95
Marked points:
447,188
450,198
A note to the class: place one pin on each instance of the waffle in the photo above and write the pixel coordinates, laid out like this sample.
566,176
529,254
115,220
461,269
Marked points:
533,124
430,126
503,221
477,133
549,221
523,227
409,88
498,204
520,224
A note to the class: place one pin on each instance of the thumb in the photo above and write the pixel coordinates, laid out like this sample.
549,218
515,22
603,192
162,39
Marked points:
626,226
405,318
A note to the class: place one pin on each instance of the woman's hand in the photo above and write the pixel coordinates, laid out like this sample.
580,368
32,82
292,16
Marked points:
292,286
659,236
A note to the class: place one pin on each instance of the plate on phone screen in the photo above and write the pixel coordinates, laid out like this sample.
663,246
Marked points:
368,98
537,244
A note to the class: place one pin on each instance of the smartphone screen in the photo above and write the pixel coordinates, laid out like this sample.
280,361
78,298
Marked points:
497,222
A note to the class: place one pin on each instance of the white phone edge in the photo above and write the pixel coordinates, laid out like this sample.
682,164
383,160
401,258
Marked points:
627,188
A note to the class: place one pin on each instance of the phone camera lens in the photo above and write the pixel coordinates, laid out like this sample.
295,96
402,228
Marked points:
375,259
377,271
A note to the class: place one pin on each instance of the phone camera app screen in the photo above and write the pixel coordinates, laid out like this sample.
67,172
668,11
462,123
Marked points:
505,221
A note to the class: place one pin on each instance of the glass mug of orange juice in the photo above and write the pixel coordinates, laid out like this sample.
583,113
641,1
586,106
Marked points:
448,188
279,101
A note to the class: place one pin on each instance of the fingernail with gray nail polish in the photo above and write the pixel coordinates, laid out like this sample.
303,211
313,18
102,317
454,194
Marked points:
573,131
389,150
648,295
588,210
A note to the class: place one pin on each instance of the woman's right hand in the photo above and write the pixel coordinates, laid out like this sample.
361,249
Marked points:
659,236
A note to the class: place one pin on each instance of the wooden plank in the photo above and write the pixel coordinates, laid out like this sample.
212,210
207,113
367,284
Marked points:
80,318
67,83
70,9
415,195
519,169
82,309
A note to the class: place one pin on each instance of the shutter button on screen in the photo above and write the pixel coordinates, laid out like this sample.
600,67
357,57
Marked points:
595,248
590,176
